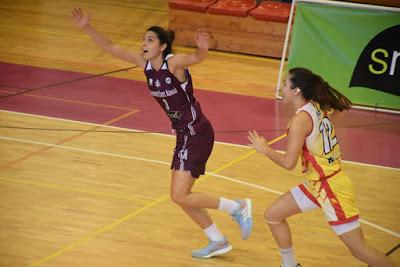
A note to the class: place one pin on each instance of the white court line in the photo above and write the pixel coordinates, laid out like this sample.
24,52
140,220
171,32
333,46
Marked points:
238,181
83,150
373,225
173,136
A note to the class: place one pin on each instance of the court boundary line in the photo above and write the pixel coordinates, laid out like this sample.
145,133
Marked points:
132,214
67,139
235,180
68,189
173,136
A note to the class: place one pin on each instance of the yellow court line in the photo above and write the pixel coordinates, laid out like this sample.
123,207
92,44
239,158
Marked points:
130,215
36,63
371,224
248,154
99,231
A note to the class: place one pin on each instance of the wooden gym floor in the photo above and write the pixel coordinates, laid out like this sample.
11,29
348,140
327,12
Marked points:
84,173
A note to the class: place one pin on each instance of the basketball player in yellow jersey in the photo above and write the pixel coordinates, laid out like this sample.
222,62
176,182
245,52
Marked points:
312,136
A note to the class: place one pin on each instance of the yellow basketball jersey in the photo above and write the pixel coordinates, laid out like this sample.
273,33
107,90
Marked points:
321,153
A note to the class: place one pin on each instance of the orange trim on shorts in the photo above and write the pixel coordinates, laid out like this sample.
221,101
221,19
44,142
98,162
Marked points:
354,218
309,195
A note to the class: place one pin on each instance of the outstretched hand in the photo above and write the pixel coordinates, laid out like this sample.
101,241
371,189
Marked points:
202,39
79,18
257,142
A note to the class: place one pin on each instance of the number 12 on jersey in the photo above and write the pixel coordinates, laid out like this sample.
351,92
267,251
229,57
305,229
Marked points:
328,137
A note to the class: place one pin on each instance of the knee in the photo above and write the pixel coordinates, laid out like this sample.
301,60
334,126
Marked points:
272,215
178,199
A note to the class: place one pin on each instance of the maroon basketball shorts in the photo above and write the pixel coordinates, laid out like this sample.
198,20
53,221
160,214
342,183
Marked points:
192,151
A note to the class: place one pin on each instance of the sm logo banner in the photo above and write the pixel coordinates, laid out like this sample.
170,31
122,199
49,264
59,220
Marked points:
356,48
378,66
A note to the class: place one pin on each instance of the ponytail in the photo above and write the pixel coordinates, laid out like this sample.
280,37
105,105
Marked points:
165,36
314,88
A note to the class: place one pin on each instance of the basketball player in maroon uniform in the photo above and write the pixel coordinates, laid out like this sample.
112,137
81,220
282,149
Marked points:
170,83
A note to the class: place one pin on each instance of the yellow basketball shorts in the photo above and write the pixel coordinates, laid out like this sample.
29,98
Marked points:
334,195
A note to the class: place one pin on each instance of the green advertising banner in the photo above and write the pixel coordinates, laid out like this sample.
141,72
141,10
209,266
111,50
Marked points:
356,50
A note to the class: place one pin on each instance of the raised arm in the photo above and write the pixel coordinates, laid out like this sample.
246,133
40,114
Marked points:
185,60
82,21
299,128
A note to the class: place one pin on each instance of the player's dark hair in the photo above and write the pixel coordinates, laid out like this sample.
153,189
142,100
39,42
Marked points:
314,88
165,36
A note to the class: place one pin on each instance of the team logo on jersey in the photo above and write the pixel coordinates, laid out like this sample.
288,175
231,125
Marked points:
174,115
168,80
151,82
158,84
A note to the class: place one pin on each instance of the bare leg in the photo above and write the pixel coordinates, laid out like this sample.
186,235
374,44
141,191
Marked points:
354,240
285,206
192,203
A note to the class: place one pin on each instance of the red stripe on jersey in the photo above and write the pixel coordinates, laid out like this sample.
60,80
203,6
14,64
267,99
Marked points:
333,174
356,217
310,158
308,194
333,200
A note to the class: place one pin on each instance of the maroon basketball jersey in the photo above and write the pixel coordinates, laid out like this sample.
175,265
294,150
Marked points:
175,98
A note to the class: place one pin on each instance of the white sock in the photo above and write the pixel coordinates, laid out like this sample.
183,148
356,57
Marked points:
288,257
227,205
213,233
